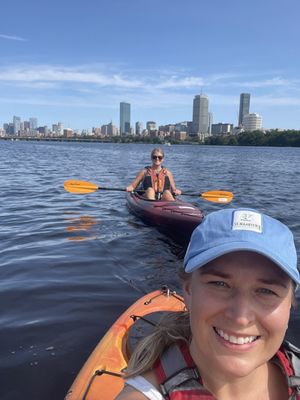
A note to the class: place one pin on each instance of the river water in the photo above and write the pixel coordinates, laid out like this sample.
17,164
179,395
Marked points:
70,264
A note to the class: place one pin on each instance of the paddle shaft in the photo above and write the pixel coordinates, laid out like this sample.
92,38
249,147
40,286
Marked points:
82,187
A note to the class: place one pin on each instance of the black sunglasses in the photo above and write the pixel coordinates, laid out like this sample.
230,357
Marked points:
157,158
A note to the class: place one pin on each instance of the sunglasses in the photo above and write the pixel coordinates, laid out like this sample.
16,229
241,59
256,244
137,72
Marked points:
157,158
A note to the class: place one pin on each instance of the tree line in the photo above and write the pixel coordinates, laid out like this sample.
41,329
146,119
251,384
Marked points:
288,138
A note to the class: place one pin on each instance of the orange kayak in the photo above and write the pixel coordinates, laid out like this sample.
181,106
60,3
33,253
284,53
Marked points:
101,375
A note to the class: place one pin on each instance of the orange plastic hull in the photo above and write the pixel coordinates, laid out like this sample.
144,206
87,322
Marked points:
110,353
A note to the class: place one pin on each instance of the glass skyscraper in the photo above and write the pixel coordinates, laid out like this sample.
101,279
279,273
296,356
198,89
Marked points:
244,106
124,118
200,114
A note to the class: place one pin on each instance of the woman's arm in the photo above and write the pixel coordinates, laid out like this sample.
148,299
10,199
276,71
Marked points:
172,183
139,178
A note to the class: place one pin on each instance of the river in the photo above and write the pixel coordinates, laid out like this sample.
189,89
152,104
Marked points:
70,264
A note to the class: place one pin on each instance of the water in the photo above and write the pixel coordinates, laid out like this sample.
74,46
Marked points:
70,264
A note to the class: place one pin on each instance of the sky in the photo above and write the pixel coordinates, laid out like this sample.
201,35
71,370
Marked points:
74,61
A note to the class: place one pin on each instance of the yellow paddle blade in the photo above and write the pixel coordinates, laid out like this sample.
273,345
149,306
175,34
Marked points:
80,187
218,196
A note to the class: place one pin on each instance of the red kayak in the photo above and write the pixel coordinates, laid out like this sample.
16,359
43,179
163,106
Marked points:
176,218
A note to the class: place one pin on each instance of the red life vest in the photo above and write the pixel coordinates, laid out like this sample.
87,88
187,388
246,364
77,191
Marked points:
179,378
159,181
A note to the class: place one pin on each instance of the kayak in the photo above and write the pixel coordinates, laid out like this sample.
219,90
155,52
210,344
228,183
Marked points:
101,375
176,218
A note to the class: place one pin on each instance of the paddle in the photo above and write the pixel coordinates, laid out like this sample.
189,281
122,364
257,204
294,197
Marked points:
82,187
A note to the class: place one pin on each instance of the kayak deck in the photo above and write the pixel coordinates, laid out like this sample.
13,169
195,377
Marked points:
101,375
176,218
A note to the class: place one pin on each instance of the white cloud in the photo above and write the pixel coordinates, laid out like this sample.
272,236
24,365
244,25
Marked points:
65,74
8,37
105,85
186,82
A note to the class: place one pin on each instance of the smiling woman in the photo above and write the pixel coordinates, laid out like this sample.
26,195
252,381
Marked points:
156,180
239,279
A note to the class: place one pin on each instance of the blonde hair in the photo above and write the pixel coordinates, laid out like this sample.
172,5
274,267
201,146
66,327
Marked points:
158,150
172,328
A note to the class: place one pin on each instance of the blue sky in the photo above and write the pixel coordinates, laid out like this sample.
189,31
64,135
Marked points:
73,61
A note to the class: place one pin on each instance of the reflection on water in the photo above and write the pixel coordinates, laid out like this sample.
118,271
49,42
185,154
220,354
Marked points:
82,224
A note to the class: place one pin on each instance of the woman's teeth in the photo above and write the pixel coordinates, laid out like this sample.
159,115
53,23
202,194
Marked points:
235,339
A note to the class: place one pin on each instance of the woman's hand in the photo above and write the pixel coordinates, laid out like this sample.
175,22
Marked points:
177,192
130,188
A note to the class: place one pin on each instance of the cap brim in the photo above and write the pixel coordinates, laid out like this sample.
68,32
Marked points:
199,260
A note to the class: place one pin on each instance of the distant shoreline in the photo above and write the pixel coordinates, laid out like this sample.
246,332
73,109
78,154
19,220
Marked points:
289,138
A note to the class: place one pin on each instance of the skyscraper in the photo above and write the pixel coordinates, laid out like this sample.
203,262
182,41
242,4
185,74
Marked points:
32,124
17,124
200,114
244,106
124,118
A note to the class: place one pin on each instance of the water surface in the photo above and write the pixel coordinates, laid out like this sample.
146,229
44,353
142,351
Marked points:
71,264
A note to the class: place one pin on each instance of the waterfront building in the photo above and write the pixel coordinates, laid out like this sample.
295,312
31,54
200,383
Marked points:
112,130
167,128
33,125
138,128
17,124
181,126
68,132
180,135
244,107
252,122
200,115
124,118
26,126
221,129
58,129
151,126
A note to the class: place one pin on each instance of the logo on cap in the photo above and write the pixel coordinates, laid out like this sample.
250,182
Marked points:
247,221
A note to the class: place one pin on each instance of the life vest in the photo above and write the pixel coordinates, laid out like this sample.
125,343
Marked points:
159,181
179,378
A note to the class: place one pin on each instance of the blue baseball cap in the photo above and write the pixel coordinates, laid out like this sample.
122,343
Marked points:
230,230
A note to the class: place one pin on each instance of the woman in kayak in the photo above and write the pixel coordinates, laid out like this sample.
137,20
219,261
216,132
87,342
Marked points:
156,180
239,280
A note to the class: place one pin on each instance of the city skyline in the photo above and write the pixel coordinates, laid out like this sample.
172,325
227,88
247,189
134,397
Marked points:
76,65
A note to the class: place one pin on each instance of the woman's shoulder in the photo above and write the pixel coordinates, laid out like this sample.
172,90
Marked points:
130,393
141,387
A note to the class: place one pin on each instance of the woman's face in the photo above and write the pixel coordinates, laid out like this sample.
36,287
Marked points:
157,158
239,308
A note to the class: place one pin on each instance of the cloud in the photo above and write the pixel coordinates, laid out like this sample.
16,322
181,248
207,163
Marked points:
44,73
8,37
186,82
105,85
150,81
276,101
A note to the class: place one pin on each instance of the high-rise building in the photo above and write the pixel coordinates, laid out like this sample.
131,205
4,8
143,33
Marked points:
200,114
138,128
124,118
32,124
244,106
252,122
17,124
